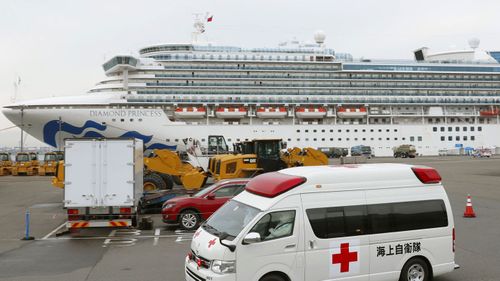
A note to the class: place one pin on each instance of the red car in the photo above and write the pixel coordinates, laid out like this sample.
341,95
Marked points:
190,211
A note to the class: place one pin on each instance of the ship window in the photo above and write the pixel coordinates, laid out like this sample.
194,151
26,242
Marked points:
114,120
167,140
457,129
450,129
472,129
442,129
298,139
380,130
228,139
395,130
412,138
379,139
479,128
434,129
355,130
388,139
355,139
323,139
176,140
140,119
363,130
298,131
371,138
122,120
104,123
203,140
331,139
457,138
340,131
347,139
419,138
314,139
387,130
472,138
364,139
347,130
450,138
131,120
465,138
371,130
307,139
331,131
314,131
340,139
289,139
464,129
307,131
442,138
322,131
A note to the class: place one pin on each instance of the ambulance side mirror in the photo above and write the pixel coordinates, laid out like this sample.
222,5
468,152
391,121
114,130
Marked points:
252,237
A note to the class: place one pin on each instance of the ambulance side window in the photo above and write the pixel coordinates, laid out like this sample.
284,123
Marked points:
275,225
338,221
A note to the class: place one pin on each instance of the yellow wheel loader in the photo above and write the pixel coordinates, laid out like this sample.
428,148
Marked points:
26,164
5,164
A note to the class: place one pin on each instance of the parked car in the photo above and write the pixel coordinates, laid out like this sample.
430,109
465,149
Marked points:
188,212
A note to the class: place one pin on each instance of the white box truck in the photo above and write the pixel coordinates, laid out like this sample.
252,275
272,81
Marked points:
103,182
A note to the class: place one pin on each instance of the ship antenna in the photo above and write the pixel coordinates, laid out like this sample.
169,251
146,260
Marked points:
199,26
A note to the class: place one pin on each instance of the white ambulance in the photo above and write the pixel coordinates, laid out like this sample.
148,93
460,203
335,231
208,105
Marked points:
351,222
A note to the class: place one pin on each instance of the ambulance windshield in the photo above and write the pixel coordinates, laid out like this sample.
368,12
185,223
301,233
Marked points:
231,219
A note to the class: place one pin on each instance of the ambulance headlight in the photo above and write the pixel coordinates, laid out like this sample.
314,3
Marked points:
222,267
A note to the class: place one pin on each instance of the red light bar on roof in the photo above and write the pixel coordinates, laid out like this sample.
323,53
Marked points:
273,184
426,174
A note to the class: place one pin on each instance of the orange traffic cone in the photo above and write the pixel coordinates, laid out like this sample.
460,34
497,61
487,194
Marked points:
469,212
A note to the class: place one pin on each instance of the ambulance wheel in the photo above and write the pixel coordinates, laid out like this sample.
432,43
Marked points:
272,277
169,182
189,220
415,269
152,182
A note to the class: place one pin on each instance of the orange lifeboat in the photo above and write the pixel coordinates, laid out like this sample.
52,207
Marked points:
231,112
190,112
490,112
310,112
351,112
271,112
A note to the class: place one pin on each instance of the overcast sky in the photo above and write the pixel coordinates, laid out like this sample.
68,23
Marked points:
58,47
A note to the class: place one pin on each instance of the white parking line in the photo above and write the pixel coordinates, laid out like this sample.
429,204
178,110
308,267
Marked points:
54,231
157,236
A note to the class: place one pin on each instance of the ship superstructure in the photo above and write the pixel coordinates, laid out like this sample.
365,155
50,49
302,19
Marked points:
305,93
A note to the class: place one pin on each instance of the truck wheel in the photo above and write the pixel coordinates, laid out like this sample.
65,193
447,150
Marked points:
189,220
153,181
169,182
415,269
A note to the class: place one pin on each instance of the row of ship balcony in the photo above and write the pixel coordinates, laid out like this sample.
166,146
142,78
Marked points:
338,76
318,112
144,97
341,85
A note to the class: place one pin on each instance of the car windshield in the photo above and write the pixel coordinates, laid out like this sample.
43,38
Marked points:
231,219
4,157
50,157
204,191
22,158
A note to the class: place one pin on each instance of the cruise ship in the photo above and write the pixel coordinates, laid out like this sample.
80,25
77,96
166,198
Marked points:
305,93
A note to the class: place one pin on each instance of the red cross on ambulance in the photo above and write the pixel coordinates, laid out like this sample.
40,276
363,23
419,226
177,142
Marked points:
345,257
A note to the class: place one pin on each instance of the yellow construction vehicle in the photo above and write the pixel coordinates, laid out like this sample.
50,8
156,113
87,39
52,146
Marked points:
165,164
58,178
50,163
262,156
5,164
26,164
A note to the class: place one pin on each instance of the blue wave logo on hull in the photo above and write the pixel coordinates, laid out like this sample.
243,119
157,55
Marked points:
52,128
